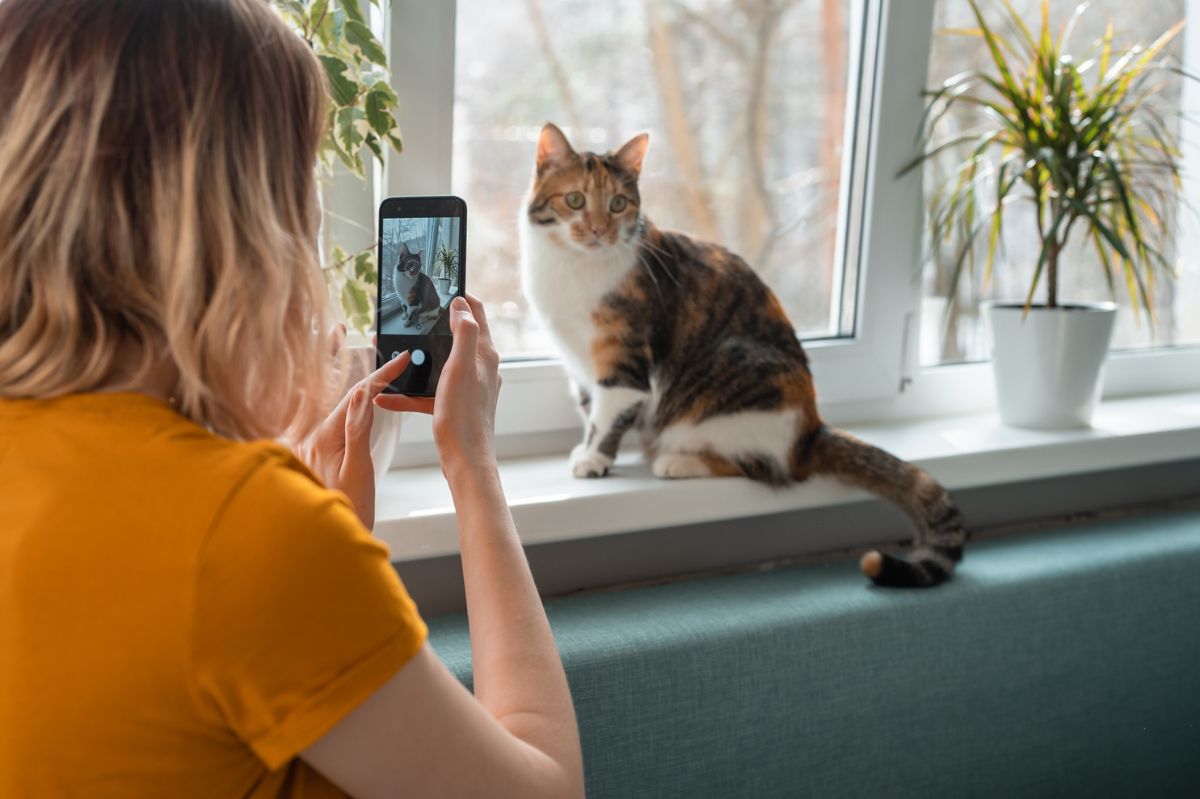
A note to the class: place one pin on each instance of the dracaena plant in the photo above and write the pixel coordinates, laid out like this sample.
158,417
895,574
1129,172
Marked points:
1078,136
447,260
361,125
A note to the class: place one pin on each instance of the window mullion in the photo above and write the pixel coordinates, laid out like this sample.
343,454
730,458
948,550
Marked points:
885,225
421,40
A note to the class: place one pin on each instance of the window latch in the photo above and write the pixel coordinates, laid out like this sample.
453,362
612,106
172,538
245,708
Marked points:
908,342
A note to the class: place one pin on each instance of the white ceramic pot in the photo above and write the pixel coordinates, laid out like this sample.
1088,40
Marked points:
385,430
1049,362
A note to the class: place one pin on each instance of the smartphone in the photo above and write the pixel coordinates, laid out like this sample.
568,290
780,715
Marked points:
422,267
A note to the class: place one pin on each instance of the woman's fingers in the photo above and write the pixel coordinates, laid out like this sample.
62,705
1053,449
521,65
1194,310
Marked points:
480,317
357,477
378,380
464,327
337,339
358,426
330,430
403,404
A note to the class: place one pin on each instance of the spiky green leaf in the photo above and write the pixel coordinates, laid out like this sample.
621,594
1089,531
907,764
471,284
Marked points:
1082,138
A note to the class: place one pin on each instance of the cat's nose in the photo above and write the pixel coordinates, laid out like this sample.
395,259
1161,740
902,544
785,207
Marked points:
598,231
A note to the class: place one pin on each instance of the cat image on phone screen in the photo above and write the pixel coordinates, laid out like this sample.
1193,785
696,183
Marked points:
419,301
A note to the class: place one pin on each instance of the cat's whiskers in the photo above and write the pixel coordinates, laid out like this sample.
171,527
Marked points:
650,273
647,246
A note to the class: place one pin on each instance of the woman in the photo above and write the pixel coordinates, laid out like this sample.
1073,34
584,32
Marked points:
185,609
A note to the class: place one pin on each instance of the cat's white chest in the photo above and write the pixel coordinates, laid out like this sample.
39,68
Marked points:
403,283
564,289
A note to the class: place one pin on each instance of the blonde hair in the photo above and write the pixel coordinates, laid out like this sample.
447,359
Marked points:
158,209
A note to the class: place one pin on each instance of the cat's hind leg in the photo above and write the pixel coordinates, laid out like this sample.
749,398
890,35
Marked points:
754,444
682,465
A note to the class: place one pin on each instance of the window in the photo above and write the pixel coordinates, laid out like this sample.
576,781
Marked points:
804,180
746,104
956,333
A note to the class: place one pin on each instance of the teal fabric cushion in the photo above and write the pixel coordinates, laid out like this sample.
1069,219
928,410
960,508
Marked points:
1054,664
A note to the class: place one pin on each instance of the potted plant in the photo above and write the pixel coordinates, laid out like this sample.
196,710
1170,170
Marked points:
1081,140
361,124
446,269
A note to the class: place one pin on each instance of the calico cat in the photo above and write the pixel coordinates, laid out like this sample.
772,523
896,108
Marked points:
681,340
419,296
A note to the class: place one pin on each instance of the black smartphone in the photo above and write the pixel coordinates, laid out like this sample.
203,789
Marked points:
422,267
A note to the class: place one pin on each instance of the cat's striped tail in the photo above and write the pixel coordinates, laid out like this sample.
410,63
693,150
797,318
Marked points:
940,532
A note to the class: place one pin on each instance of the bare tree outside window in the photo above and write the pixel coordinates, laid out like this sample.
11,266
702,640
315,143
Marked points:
745,101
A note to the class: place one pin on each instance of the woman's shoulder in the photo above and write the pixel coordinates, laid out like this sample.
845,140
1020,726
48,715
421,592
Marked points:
275,488
136,455
259,488
275,466
257,493
259,473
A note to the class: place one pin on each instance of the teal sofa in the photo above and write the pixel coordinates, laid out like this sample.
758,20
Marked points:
1055,664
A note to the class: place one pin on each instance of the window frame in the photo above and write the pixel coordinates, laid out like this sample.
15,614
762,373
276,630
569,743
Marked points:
872,375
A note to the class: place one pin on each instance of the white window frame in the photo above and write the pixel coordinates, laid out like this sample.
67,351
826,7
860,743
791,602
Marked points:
873,375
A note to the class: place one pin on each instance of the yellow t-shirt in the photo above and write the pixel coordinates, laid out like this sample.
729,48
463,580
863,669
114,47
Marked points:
180,614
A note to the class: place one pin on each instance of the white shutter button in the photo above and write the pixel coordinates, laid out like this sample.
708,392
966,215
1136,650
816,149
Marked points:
418,357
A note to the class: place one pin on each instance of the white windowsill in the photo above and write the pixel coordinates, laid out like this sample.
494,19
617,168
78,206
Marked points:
415,517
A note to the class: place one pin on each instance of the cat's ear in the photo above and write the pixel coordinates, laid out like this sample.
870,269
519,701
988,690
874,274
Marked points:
552,146
632,152
404,249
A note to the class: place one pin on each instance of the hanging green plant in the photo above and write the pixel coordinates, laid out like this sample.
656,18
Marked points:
361,121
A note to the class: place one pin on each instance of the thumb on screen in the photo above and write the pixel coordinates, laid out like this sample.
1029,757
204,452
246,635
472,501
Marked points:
463,324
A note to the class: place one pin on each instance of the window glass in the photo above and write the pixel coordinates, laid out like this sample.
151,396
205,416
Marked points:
745,101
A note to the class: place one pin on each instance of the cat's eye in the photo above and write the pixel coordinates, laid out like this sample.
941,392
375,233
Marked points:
617,204
574,199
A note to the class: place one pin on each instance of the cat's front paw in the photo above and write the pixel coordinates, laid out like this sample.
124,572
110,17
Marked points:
586,464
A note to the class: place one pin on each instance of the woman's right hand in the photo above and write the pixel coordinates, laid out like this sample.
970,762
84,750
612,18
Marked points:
464,410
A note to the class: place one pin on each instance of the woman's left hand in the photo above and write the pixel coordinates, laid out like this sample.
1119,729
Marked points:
339,450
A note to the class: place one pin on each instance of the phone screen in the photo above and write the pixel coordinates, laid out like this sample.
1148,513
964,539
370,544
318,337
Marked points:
422,267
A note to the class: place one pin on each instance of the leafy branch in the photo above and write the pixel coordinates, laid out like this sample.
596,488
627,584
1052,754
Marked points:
361,119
